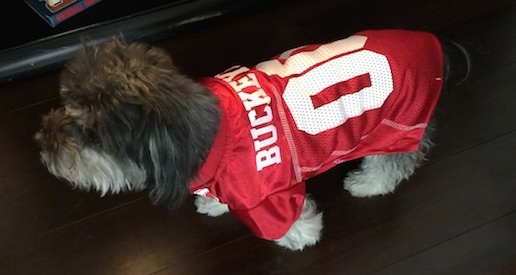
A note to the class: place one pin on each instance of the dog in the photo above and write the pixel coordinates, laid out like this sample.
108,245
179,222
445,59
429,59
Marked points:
246,140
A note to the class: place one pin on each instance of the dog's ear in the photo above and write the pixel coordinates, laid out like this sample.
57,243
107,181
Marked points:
174,137
139,107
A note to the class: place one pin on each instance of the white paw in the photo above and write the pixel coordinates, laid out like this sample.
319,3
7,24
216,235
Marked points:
306,230
210,207
361,184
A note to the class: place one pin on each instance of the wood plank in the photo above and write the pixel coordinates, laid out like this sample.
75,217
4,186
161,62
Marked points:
476,112
35,202
23,94
467,253
252,39
135,239
19,150
490,39
445,200
361,235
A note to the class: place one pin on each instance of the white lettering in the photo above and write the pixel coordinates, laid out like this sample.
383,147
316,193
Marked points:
267,158
255,121
230,73
248,89
257,98
270,131
245,81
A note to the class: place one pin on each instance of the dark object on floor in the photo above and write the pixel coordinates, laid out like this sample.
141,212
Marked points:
457,63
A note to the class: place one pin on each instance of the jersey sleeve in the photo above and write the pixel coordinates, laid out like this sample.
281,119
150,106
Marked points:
273,217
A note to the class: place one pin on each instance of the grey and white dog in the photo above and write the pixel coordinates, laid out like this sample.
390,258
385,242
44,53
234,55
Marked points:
131,121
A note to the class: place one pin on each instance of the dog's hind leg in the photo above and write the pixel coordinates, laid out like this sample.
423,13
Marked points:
380,174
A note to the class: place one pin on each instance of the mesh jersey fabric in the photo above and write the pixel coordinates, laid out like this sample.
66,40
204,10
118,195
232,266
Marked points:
310,108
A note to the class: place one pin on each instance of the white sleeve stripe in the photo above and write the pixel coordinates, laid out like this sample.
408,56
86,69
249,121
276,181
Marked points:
402,127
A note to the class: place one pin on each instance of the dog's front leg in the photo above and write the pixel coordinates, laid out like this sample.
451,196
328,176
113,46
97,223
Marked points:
209,206
306,230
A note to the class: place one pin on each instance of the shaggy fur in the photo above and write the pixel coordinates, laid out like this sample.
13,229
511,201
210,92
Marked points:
130,121
380,174
130,103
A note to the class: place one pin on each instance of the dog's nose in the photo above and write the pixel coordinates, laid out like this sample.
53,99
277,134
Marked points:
67,111
37,137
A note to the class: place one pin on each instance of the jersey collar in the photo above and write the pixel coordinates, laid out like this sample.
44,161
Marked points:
213,159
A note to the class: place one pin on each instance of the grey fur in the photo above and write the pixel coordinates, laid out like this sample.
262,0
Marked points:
380,174
130,103
131,121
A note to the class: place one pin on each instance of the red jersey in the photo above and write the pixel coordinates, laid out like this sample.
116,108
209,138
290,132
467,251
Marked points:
311,108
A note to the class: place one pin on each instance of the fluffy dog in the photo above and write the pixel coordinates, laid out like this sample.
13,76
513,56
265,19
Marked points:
246,140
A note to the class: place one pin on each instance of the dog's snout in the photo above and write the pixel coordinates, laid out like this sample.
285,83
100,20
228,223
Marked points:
56,130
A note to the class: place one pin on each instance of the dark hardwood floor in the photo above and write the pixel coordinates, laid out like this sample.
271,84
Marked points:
457,215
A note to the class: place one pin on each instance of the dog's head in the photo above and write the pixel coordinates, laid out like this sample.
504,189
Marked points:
129,120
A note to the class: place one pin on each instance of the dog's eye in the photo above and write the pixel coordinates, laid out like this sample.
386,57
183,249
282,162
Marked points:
92,137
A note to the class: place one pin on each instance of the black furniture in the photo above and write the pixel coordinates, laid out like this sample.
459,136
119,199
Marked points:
31,46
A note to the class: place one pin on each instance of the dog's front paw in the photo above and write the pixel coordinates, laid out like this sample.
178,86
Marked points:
306,230
210,207
361,184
